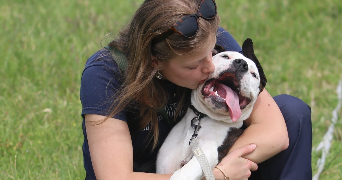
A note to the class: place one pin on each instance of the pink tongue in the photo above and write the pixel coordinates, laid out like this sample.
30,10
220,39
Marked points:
232,101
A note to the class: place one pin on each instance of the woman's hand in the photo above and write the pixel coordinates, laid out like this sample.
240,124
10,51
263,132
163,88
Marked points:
234,166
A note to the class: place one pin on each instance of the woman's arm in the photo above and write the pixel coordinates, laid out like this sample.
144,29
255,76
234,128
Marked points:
266,128
111,150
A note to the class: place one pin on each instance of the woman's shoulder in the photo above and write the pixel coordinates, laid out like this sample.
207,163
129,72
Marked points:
102,57
101,79
227,41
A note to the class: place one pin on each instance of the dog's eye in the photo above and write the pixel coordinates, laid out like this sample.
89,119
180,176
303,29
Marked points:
254,75
225,56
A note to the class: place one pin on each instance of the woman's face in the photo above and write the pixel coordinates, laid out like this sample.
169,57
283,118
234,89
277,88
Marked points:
190,71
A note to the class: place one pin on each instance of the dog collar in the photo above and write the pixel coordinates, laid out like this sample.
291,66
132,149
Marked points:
196,123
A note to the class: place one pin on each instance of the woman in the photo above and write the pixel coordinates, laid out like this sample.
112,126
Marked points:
128,113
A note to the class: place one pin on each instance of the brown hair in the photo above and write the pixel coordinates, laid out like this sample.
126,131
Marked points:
151,19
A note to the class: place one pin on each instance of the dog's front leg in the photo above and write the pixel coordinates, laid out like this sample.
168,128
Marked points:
190,171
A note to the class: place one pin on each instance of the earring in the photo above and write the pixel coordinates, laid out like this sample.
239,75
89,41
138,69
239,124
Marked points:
158,75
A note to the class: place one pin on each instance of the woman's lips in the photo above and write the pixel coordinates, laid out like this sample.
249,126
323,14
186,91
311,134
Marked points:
201,82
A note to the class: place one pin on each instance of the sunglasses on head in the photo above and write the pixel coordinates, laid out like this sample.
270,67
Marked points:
188,25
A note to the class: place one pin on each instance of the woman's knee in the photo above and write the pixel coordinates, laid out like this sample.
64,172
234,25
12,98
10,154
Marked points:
291,106
297,115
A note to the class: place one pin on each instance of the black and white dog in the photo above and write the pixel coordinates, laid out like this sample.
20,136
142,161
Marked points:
226,99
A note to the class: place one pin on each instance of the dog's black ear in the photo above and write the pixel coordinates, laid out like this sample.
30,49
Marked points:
248,51
217,49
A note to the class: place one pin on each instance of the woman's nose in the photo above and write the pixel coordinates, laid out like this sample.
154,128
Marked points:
209,66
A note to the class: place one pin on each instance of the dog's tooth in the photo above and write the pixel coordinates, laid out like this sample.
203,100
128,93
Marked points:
212,88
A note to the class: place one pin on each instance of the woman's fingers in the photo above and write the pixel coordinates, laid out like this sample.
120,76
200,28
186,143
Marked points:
247,150
244,150
254,166
235,166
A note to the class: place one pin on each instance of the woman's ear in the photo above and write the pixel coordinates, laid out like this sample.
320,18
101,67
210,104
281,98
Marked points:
155,62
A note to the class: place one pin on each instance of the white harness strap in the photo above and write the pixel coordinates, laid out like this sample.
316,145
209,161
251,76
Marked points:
202,159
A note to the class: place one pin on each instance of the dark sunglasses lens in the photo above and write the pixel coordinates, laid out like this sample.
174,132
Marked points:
188,26
208,9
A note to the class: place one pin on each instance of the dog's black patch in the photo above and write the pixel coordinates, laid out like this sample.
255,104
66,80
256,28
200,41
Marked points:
248,51
217,49
228,142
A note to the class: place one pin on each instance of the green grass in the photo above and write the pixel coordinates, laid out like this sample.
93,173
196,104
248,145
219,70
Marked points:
44,45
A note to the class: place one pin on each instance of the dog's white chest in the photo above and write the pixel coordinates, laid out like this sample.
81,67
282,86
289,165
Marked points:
177,152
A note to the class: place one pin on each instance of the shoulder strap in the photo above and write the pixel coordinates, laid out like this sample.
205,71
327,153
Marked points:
119,58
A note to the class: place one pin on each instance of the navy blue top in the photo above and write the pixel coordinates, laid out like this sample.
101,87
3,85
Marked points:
100,80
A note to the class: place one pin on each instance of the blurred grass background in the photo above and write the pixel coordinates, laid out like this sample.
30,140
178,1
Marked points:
44,45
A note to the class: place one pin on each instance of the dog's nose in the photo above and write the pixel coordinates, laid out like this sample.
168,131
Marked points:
241,65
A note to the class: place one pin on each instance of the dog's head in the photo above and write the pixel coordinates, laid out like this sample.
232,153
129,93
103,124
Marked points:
232,89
